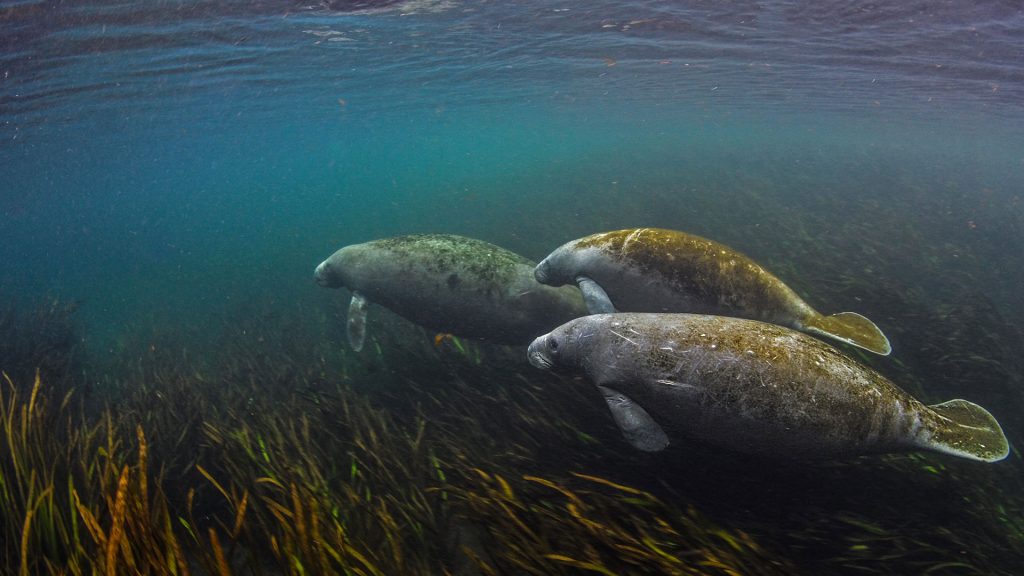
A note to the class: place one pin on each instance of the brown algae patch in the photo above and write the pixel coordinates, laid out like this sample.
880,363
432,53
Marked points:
712,272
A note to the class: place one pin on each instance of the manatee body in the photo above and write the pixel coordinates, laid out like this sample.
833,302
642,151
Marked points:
449,283
656,270
754,387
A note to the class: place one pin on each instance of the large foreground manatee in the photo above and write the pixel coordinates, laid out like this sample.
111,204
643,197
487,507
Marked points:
656,270
450,284
754,387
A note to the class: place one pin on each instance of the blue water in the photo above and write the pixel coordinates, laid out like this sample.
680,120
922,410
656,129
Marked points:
165,161
202,150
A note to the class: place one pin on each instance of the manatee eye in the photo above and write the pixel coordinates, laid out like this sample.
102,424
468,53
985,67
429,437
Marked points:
552,345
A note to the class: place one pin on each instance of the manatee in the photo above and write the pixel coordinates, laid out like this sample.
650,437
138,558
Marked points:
754,387
450,284
656,270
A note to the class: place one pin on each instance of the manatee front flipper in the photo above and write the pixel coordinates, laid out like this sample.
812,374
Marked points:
851,328
594,296
967,430
357,321
640,430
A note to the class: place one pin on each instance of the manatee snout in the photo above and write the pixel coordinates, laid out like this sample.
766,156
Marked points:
542,273
324,276
557,268
539,353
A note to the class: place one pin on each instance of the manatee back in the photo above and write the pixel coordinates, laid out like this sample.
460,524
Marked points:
658,270
428,258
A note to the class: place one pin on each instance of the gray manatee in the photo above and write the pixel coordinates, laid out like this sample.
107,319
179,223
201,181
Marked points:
450,284
754,387
656,270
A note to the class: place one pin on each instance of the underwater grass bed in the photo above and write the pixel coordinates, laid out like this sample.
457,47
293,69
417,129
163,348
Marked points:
268,494
280,452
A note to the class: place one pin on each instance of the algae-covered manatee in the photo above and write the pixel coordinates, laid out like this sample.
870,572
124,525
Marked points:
451,284
657,270
754,387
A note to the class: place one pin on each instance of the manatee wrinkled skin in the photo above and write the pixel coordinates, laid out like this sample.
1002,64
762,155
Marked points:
754,387
658,270
450,284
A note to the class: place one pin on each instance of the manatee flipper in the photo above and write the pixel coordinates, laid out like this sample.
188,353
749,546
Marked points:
357,321
851,328
594,296
640,430
967,430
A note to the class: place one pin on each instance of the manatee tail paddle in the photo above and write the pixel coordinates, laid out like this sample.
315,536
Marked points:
966,430
851,328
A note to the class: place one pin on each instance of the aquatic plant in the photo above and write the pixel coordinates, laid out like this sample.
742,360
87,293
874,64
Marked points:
277,452
592,524
71,501
340,498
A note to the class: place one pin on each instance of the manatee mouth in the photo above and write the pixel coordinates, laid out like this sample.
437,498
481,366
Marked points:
536,355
